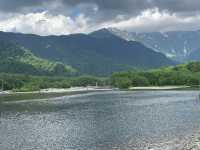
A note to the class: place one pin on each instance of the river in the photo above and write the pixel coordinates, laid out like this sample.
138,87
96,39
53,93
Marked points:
110,120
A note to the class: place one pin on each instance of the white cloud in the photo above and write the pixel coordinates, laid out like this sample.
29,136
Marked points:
44,24
155,20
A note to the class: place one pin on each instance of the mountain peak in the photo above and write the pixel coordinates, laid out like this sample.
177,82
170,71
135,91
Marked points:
102,33
176,45
108,33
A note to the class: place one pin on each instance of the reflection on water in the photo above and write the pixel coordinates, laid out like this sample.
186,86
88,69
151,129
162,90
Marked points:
99,121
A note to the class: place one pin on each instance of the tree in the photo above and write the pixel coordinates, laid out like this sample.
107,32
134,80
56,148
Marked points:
139,80
123,83
194,66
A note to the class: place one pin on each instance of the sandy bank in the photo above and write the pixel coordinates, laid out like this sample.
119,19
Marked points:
159,88
59,90
74,89
7,96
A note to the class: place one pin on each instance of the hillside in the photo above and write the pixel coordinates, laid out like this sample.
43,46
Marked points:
16,59
184,74
92,53
194,55
175,44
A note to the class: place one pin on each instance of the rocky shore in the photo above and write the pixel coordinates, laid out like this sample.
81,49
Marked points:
194,144
186,143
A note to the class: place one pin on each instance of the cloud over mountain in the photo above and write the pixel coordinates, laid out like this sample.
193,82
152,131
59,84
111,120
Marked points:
46,17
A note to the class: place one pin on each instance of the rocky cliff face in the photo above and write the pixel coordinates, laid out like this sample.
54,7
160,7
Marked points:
176,44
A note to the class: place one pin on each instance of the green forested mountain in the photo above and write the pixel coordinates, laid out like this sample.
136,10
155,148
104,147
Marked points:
98,53
16,59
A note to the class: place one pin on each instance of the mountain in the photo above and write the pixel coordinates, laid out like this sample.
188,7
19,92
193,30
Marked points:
175,44
194,55
16,59
97,53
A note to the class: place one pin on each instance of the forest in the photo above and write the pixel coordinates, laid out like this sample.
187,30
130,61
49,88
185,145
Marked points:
184,74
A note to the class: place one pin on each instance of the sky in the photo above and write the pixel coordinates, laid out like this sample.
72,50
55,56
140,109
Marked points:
61,17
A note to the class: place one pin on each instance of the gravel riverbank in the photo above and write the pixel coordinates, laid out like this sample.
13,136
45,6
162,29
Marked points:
46,93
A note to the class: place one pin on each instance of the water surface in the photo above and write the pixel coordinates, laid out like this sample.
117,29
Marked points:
99,121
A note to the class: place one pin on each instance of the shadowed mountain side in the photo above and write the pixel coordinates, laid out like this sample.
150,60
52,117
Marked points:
98,53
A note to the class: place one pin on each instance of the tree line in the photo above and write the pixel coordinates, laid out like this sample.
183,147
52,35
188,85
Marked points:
185,74
18,82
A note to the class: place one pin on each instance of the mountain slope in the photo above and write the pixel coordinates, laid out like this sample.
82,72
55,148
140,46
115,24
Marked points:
176,44
16,59
194,55
131,52
98,53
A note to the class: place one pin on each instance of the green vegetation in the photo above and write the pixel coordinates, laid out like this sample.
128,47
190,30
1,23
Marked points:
34,83
186,74
99,53
16,59
42,64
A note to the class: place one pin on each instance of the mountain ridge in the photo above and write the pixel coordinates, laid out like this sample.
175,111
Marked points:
89,53
174,44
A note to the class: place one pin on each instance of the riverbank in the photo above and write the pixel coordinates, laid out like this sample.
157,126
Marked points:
191,142
160,88
59,92
47,93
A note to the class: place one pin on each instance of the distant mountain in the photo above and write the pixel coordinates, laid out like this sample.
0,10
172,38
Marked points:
176,44
98,53
194,55
16,59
